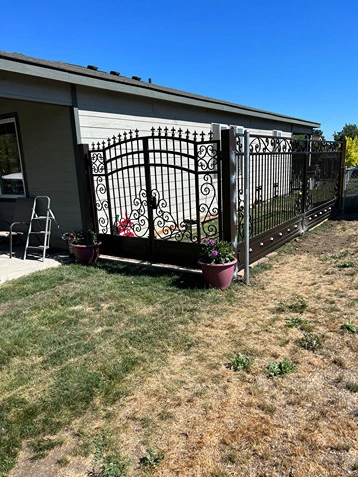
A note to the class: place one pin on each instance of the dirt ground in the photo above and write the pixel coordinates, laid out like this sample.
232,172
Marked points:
208,420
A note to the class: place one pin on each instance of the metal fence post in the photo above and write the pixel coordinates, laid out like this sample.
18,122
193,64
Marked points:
307,158
342,178
247,207
228,187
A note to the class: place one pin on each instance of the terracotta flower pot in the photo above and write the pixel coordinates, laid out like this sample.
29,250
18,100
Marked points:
86,254
218,275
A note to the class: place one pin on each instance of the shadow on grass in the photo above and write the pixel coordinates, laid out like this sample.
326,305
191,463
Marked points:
348,215
180,278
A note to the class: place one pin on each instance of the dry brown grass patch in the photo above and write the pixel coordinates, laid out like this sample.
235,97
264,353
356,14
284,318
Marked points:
210,421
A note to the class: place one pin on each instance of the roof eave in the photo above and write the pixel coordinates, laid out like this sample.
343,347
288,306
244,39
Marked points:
145,90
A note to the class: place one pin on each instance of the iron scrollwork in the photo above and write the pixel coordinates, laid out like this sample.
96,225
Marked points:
100,189
165,226
138,215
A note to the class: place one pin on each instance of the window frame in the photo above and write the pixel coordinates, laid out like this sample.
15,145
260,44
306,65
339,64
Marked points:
12,118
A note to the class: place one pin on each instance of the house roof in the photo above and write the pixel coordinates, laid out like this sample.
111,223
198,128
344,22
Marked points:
79,75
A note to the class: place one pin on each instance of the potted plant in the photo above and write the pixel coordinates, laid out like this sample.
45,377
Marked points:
217,262
84,244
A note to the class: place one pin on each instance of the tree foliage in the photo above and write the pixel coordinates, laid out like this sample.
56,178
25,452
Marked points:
349,130
351,151
318,133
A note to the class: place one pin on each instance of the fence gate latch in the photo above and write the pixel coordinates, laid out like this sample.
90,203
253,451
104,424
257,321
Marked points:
153,202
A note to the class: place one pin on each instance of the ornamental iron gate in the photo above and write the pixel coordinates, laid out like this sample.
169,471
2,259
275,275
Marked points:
156,197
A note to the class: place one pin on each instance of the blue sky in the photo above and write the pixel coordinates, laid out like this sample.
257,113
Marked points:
293,58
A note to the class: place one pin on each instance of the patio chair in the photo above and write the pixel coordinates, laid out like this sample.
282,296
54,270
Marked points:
19,227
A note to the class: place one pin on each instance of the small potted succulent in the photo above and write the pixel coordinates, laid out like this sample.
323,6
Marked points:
84,245
217,262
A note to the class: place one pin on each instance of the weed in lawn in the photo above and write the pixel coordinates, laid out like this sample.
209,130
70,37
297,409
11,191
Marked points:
275,368
166,416
108,465
311,341
152,459
241,361
298,322
146,422
352,386
336,256
346,265
63,461
229,458
350,327
298,305
339,361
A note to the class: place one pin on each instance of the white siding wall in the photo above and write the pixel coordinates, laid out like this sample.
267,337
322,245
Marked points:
103,116
99,126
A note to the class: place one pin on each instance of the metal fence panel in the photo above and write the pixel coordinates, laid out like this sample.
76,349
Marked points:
156,197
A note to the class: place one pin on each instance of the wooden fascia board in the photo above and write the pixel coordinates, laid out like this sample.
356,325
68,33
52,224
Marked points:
138,90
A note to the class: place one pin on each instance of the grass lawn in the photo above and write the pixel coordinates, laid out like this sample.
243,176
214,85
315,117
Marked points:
118,370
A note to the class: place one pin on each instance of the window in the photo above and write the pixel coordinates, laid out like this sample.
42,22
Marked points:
11,176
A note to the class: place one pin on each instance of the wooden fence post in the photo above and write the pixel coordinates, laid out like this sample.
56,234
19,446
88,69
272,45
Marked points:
86,192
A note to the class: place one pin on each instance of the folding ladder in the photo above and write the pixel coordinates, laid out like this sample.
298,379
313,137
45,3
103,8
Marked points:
40,226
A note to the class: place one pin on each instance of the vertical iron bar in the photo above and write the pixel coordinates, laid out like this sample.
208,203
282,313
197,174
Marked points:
270,190
130,180
219,189
197,195
108,192
196,191
148,188
247,206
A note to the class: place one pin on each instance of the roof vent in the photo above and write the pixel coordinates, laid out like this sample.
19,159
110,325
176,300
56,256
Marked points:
138,78
149,80
114,73
91,67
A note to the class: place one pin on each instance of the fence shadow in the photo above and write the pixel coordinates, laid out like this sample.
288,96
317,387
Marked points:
181,279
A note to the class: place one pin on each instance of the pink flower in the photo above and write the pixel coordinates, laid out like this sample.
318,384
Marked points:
211,242
214,253
124,227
